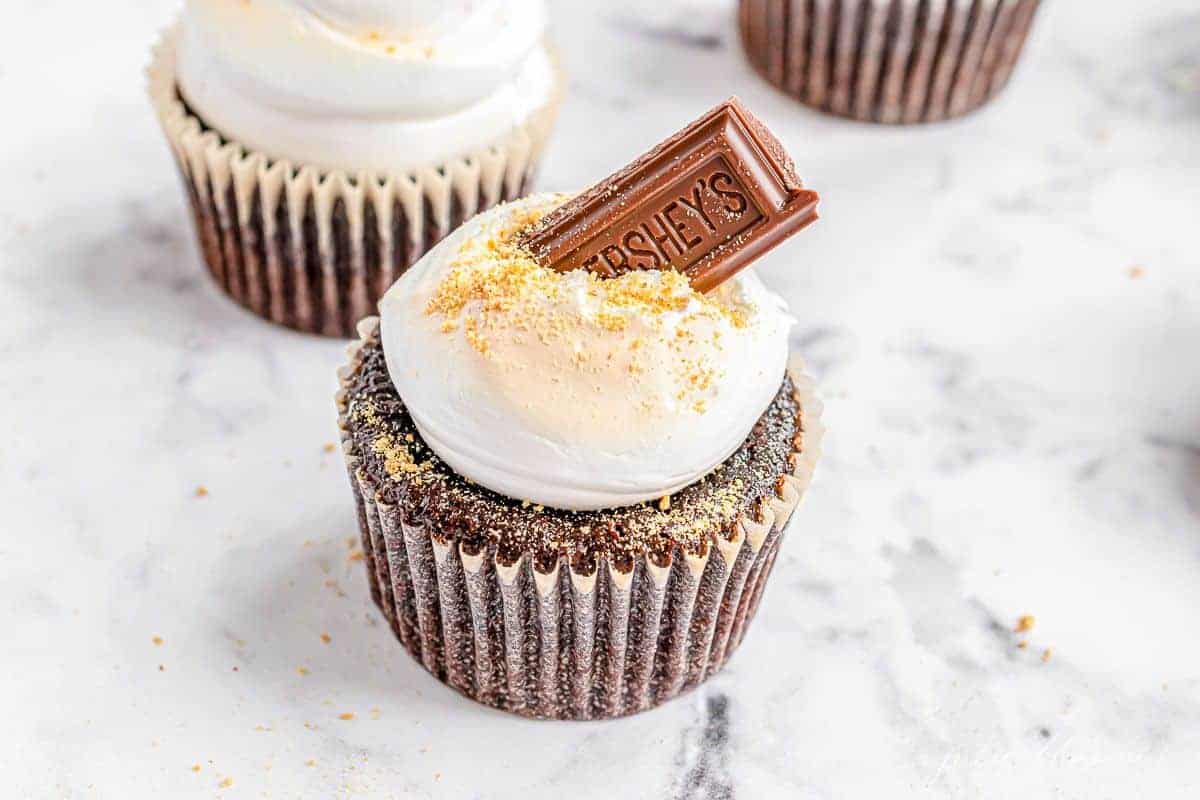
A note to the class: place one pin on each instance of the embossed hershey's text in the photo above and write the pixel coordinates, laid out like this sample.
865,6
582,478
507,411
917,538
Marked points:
681,224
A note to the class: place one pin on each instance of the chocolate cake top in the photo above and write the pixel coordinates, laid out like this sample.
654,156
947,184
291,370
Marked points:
395,461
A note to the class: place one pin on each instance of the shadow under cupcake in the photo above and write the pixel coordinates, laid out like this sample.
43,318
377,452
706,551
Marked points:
325,153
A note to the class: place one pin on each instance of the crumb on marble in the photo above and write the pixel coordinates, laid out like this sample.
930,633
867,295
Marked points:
158,640
201,491
1046,654
346,715
1024,623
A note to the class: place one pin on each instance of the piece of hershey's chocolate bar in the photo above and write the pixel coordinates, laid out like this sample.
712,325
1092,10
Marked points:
706,202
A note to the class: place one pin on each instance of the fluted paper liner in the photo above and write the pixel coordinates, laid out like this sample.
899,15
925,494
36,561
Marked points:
315,249
562,644
894,61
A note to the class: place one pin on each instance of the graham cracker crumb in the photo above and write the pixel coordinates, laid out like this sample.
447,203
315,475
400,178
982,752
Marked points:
201,491
1046,654
158,640
1024,623
225,783
195,767
346,715
326,638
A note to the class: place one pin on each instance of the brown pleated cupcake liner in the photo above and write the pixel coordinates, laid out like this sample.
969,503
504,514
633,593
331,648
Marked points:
561,644
315,250
892,61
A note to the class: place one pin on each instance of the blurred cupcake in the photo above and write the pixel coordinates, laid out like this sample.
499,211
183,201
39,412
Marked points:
327,144
900,61
571,489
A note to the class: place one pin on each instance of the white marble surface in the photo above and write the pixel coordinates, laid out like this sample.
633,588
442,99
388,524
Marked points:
1004,313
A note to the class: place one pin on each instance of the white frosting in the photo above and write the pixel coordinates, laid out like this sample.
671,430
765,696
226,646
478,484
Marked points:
569,395
365,84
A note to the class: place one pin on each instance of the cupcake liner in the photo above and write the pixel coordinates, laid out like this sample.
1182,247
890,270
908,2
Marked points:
893,61
315,250
555,642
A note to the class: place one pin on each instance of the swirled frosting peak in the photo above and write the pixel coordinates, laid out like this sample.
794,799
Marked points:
364,84
570,390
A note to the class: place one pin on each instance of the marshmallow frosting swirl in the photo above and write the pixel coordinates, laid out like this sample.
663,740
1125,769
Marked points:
364,84
572,391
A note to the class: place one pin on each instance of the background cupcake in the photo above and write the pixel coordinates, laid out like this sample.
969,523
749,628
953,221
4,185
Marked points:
900,61
327,144
571,490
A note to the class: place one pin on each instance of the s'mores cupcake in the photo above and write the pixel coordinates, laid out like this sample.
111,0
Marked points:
572,483
895,61
326,145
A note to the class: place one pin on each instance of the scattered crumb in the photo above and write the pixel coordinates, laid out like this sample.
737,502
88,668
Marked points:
1022,645
351,541
1046,654
195,767
201,491
158,640
437,776
1024,623
235,669
346,715
225,783
326,638
329,447
1136,272
302,670
664,503
312,762
357,555
161,668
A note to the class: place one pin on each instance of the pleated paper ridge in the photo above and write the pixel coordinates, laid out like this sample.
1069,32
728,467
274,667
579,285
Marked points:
561,644
892,61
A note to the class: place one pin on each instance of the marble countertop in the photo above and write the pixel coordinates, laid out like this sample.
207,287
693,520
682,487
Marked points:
1004,315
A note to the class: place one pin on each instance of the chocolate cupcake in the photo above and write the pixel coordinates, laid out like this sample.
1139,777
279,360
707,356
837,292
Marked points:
900,61
573,475
326,146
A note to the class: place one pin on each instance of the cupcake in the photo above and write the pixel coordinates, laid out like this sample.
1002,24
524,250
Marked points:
902,61
326,145
572,488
